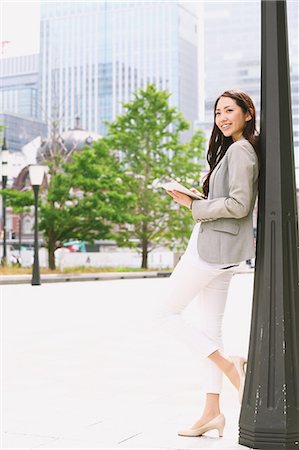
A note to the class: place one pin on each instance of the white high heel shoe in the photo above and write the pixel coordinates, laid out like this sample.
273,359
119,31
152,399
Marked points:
217,423
239,364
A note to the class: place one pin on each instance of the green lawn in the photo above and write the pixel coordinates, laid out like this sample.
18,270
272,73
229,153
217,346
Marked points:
13,270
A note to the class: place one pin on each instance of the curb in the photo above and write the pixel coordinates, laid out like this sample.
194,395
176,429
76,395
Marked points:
101,276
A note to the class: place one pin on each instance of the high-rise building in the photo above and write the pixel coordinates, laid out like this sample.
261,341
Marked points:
19,130
94,55
232,47
18,107
18,87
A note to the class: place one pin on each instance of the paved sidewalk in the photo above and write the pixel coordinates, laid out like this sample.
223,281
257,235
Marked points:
82,368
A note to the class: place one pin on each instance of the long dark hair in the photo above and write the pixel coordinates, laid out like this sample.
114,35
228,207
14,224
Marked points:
219,144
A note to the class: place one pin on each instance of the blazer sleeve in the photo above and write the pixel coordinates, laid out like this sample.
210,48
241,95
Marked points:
242,172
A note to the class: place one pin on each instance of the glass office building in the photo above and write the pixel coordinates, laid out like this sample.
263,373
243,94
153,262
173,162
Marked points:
19,130
232,47
18,85
94,56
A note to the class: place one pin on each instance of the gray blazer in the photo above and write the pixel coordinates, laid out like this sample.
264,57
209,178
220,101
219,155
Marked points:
226,232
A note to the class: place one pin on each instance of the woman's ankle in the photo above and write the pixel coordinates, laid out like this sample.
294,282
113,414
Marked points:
211,413
212,406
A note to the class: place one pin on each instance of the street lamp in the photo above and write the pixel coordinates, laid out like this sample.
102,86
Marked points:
36,174
4,155
270,410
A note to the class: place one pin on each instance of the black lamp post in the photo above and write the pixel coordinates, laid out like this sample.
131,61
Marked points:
20,236
4,155
270,411
36,174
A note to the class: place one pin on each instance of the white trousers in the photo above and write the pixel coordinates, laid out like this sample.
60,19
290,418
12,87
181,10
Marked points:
207,284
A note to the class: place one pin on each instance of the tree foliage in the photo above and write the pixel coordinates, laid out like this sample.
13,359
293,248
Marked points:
19,201
148,135
108,191
85,198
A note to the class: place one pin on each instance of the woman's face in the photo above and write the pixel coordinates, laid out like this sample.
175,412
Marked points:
230,118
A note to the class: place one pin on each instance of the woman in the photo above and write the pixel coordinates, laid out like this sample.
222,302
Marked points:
221,239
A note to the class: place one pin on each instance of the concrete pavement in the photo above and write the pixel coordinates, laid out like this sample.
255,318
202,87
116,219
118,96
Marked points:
82,368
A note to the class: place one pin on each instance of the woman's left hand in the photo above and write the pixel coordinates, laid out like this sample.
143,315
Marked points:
181,198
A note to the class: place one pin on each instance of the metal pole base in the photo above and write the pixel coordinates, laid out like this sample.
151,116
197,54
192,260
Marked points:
268,440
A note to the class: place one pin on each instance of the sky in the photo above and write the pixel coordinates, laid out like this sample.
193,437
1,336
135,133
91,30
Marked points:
20,26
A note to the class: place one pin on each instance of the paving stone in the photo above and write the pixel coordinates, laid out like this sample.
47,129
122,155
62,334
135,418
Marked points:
84,368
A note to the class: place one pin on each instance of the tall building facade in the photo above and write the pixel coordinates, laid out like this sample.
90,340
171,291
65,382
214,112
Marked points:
232,47
19,130
19,107
19,84
94,56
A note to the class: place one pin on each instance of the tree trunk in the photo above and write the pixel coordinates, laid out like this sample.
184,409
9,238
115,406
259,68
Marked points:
51,255
144,246
144,254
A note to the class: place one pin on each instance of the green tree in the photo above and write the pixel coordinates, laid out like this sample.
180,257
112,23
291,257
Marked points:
148,136
85,198
20,203
2,128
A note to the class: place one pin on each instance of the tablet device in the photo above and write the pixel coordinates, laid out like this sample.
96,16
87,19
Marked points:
174,185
